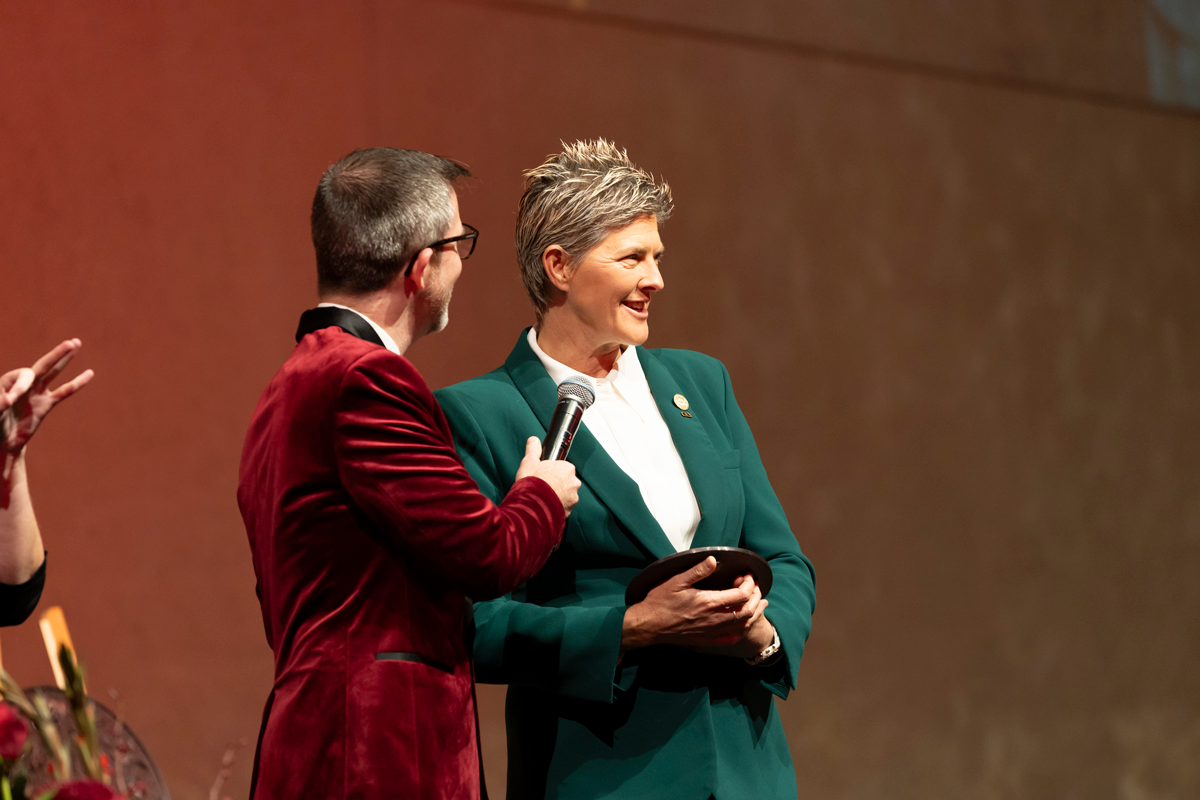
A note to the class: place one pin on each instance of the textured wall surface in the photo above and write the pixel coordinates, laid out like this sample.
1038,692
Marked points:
951,258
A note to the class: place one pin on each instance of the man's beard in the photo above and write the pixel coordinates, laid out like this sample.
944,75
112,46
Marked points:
438,308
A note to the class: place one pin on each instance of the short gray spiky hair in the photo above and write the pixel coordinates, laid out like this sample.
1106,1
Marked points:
576,199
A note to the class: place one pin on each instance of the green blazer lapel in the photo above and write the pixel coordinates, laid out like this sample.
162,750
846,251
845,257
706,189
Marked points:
700,457
611,485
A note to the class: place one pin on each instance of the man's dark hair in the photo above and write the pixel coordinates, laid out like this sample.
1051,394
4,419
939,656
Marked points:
374,210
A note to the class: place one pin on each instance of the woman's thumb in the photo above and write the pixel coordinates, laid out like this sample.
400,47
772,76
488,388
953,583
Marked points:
701,571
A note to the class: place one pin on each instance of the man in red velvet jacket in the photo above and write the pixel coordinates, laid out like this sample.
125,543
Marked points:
366,531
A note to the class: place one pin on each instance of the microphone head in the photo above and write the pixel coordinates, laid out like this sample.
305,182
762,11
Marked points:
578,387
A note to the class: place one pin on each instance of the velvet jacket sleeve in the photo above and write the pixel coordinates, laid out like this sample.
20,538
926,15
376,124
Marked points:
398,463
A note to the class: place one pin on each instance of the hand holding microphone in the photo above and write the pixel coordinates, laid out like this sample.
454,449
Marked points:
559,474
574,396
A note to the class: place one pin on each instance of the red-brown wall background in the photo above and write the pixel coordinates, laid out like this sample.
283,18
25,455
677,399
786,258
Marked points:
950,254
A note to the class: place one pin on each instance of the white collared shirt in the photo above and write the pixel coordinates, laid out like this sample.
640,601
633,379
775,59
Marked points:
387,340
627,423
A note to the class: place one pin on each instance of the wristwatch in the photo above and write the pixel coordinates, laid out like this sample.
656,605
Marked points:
768,653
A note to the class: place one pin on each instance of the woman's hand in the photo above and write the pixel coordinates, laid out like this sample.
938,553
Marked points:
757,639
25,400
675,612
26,397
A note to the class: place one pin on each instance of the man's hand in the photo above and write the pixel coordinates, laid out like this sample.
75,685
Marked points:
674,612
26,397
559,474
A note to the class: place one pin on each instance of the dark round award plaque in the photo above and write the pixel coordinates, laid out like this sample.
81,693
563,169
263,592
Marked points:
731,563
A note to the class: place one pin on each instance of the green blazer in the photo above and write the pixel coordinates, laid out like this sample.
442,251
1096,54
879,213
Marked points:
664,722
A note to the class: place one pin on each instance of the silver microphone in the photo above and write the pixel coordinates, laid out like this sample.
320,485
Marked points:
574,396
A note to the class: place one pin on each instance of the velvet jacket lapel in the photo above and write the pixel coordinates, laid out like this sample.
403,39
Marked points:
608,481
332,317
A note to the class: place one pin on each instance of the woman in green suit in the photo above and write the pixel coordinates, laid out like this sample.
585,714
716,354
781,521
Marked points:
671,697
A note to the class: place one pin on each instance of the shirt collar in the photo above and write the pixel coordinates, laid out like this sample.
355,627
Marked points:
384,337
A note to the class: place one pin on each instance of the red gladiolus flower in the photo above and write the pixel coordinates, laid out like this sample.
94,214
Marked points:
85,790
13,733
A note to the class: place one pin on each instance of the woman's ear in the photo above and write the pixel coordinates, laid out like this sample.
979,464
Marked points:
554,261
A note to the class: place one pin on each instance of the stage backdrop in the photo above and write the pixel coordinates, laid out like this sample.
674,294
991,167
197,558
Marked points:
949,253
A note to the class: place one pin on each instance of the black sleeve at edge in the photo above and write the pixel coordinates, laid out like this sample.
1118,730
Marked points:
18,602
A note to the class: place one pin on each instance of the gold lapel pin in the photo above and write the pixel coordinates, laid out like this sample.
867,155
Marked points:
687,414
681,402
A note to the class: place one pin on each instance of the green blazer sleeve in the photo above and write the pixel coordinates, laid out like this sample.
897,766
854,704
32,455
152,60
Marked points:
565,649
766,531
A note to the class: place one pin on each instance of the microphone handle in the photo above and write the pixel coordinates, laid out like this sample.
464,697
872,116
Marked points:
567,415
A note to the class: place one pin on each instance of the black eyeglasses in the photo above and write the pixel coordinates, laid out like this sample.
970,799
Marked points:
464,244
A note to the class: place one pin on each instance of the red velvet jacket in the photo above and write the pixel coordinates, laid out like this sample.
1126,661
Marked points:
367,534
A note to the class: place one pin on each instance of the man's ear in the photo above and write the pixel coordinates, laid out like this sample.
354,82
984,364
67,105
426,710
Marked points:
415,281
554,261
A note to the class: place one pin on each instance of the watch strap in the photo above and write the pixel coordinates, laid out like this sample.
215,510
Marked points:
768,653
